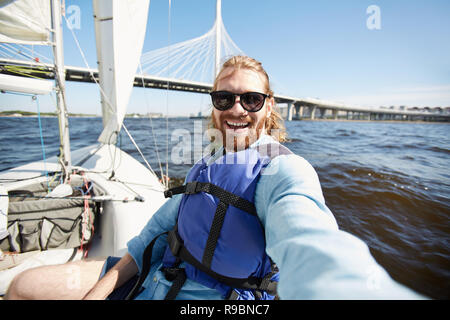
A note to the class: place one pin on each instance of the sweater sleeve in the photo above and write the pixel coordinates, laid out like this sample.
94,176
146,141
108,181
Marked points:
163,220
316,260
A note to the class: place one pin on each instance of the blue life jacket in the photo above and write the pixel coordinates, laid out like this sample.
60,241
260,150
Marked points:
218,233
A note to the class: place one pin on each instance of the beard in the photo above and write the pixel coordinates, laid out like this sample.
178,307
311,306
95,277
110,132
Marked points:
238,140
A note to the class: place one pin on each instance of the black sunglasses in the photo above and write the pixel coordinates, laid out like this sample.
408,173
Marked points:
250,101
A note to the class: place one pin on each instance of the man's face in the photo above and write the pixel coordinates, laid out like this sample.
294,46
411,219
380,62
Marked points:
237,137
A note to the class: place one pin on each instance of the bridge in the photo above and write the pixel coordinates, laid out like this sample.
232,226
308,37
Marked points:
191,66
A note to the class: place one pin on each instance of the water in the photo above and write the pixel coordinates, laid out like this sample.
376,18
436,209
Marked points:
387,183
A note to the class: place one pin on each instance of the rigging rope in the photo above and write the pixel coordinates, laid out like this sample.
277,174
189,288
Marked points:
35,98
151,123
108,103
166,177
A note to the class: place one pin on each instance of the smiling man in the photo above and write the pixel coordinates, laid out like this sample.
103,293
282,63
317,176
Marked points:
234,230
244,104
240,108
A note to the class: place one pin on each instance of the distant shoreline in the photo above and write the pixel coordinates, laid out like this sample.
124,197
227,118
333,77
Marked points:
29,114
176,117
20,113
374,121
46,116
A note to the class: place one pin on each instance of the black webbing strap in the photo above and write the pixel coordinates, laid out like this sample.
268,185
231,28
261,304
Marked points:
178,278
179,250
146,262
223,195
214,233
269,285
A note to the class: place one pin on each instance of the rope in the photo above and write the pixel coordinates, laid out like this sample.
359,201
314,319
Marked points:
24,71
138,149
87,214
35,98
166,181
151,123
108,103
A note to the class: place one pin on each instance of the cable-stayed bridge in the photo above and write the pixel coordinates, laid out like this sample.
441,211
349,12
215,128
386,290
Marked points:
191,66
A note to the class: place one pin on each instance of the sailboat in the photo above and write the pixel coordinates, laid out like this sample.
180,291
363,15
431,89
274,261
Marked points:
81,203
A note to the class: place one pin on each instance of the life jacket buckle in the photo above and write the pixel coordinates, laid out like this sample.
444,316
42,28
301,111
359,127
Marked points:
168,194
191,187
171,273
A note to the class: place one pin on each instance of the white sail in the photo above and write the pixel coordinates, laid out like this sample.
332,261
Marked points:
25,21
120,31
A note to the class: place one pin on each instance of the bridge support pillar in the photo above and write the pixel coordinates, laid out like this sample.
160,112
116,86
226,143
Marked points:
335,114
322,112
289,111
297,111
313,112
300,112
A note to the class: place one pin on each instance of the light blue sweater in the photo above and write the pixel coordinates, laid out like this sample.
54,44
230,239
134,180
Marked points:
316,260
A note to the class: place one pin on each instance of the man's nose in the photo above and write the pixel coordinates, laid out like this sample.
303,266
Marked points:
237,107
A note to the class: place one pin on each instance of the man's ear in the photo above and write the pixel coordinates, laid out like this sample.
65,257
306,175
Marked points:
270,104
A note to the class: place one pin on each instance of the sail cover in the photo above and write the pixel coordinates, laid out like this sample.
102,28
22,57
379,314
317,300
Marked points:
25,21
120,32
25,85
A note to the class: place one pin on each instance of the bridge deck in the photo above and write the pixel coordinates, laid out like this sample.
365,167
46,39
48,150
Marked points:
79,74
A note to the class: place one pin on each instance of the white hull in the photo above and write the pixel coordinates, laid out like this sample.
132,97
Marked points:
119,220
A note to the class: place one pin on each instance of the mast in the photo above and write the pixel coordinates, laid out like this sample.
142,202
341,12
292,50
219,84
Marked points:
58,53
218,24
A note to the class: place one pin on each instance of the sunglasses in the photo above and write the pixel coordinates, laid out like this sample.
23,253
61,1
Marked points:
250,101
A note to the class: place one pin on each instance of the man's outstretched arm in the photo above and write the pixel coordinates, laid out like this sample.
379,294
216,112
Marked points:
120,273
316,260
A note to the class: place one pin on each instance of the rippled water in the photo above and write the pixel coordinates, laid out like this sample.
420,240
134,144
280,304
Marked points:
387,183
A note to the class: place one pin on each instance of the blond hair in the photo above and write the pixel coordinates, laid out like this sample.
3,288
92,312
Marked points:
274,124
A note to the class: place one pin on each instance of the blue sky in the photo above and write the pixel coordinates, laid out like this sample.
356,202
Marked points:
321,49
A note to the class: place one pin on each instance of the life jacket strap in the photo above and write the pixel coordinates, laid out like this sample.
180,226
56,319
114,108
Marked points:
178,278
222,194
178,275
264,284
146,263
214,233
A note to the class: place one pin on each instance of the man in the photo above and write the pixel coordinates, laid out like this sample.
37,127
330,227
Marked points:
315,259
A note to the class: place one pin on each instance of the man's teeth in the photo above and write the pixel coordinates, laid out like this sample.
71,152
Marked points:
236,124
